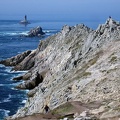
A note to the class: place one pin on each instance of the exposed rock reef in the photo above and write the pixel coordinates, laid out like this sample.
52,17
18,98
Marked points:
35,32
77,64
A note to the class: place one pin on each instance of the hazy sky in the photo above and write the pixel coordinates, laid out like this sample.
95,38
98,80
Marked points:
59,9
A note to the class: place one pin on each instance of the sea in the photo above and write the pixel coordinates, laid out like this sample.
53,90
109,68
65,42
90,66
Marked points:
12,43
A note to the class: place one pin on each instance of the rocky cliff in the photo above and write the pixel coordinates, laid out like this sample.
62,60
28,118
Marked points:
77,68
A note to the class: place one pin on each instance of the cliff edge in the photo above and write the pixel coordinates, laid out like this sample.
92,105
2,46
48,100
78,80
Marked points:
77,67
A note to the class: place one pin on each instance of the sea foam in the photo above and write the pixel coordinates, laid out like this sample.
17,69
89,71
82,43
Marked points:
5,112
24,101
7,99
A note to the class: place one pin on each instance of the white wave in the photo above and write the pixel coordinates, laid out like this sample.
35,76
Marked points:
8,69
8,33
13,71
13,33
4,74
5,112
19,52
13,88
6,100
1,84
50,31
2,65
24,33
13,84
47,33
27,91
24,101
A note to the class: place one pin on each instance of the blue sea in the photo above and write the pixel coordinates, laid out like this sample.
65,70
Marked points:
12,44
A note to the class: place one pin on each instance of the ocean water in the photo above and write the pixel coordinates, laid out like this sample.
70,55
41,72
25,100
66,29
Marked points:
12,44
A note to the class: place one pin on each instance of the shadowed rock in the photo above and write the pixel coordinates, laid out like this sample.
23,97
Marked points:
23,77
27,63
35,32
15,60
18,78
32,83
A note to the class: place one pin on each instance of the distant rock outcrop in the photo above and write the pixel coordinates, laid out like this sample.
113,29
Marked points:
35,32
76,64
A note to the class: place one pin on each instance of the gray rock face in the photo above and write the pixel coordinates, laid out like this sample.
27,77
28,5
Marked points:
35,32
15,60
76,64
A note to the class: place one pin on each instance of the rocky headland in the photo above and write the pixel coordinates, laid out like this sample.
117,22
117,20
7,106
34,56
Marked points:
72,74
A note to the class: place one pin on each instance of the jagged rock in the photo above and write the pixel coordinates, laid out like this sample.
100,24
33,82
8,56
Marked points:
32,83
76,64
26,76
32,92
15,60
23,77
18,78
27,63
35,32
66,29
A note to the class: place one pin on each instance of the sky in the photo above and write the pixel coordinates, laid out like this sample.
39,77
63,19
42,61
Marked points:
59,9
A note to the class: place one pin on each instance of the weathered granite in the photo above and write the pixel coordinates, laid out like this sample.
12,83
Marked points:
77,64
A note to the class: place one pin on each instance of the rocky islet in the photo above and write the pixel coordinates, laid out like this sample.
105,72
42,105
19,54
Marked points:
35,32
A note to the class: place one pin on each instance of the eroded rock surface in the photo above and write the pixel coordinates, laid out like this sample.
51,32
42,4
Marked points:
76,64
15,60
35,32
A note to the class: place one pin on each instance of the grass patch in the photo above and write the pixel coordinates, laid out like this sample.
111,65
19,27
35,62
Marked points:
93,61
111,70
86,74
82,72
25,109
63,109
